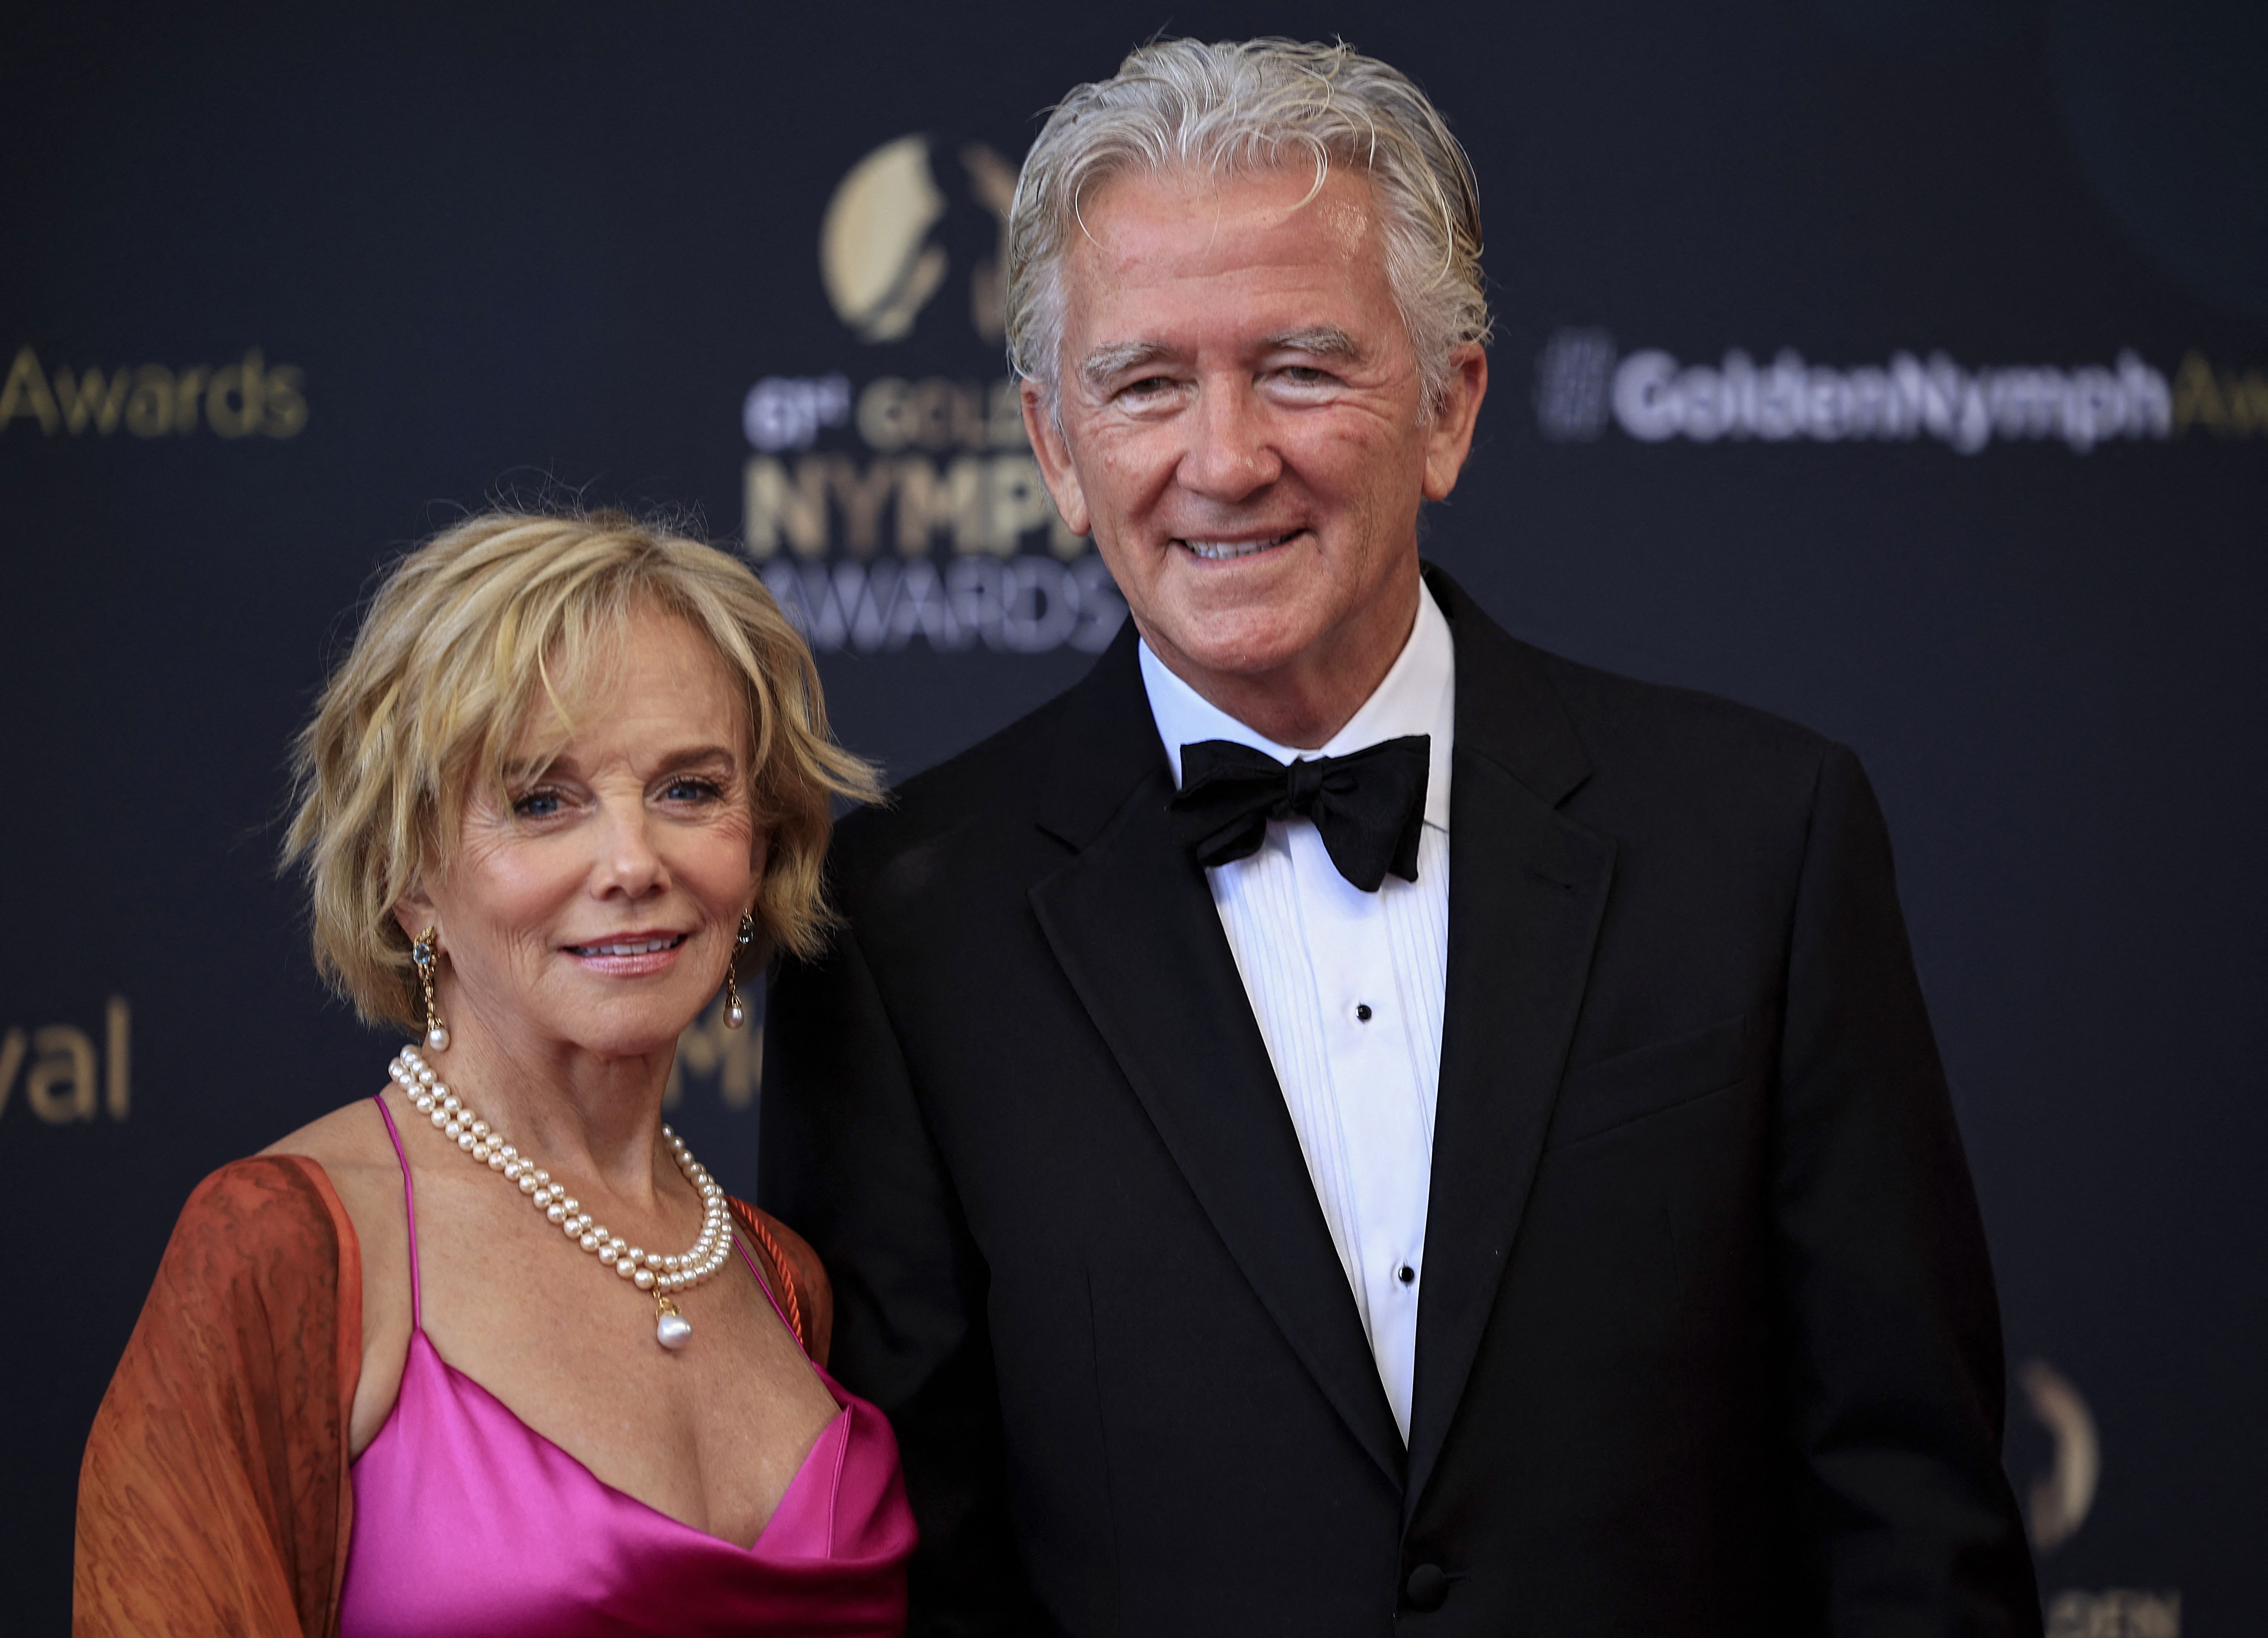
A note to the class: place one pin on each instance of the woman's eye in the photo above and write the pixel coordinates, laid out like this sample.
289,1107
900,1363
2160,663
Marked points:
693,791
536,804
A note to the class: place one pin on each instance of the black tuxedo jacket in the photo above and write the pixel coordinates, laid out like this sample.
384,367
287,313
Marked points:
1707,1342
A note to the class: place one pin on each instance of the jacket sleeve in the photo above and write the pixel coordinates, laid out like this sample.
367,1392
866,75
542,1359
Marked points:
1897,1371
846,1155
213,1496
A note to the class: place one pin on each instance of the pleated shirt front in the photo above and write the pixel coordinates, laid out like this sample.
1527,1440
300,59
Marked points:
1347,987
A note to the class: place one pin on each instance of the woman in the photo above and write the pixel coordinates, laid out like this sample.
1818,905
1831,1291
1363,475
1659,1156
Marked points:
413,1368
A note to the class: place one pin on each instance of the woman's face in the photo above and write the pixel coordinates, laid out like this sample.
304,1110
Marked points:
597,909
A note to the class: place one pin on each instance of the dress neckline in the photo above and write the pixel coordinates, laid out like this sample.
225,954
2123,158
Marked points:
829,1445
833,1433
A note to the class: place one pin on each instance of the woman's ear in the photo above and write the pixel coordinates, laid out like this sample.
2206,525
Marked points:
414,911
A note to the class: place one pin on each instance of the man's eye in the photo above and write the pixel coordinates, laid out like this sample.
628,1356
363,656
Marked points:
1148,386
1305,375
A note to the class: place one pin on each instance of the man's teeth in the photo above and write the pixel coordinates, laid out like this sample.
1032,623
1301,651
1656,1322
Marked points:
1220,551
642,947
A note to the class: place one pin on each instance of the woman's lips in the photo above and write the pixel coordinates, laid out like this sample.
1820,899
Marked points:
629,955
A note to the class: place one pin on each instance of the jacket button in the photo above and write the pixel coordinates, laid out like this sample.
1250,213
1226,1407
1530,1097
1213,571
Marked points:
1427,1586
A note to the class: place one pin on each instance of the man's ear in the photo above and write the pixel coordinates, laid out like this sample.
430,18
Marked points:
1054,460
1449,435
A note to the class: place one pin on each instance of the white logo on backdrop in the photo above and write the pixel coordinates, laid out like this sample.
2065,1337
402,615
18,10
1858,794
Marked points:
2061,1497
877,256
1582,385
894,511
874,256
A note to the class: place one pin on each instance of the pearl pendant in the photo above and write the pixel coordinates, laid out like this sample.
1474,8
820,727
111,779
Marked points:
659,1276
735,1016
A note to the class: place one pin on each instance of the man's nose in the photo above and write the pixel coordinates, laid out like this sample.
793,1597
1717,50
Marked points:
1231,451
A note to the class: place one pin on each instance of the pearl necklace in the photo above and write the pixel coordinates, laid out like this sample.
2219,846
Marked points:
648,1271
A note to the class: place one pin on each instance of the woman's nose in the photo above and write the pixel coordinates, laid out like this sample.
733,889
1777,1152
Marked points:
628,861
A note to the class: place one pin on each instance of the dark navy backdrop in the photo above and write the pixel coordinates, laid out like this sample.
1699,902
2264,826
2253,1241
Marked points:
1898,365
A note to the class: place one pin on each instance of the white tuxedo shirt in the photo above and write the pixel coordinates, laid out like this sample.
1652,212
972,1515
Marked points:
1347,987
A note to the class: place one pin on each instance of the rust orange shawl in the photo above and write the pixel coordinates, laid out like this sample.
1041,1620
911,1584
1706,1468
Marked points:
214,1495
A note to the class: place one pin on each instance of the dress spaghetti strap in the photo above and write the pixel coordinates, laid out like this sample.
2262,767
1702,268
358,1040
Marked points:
791,1316
410,1207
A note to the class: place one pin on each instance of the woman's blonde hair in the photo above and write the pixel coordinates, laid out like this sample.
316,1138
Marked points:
468,634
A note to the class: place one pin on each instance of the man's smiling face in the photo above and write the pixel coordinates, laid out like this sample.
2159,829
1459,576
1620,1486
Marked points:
1243,425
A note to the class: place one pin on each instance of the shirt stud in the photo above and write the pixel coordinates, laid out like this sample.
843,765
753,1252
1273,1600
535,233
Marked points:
1362,1012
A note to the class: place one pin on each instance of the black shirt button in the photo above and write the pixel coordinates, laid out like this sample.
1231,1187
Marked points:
1362,1012
1405,1273
1427,1586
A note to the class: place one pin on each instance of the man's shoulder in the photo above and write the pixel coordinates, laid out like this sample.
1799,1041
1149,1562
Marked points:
1616,734
1675,776
985,793
1617,713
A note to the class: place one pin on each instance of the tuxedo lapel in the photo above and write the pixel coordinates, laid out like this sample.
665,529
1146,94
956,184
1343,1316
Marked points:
1528,887
1133,922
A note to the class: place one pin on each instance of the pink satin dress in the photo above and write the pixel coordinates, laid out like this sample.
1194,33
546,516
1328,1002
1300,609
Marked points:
467,1522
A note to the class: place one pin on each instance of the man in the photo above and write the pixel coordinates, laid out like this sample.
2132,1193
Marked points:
1500,1181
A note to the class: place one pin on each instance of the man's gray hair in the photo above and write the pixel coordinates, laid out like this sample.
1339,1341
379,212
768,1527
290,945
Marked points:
1243,106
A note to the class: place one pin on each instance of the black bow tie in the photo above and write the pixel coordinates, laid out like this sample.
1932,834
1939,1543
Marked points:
1368,806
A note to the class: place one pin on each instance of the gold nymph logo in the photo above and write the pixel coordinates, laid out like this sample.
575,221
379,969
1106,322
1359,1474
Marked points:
878,252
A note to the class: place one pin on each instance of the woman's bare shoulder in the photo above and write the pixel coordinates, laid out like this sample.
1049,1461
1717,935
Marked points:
347,1138
351,1147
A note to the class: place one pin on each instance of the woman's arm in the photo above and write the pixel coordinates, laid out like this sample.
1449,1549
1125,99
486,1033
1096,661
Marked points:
214,1496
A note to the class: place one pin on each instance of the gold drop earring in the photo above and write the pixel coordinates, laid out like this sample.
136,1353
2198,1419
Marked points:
421,951
735,1014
